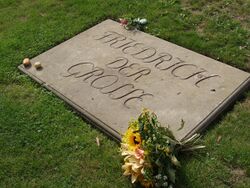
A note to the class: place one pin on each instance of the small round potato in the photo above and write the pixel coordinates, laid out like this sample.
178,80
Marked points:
38,65
26,62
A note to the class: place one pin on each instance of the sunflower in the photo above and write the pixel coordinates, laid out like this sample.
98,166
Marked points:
132,138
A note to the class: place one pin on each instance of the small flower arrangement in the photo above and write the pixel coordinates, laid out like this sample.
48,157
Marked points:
131,23
150,150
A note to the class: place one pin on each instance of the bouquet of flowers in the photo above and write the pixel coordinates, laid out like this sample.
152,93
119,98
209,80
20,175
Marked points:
131,23
150,151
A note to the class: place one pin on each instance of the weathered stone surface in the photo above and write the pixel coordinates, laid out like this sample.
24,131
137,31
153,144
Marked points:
109,74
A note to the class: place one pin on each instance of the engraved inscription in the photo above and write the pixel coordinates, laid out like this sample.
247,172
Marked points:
128,69
108,84
162,61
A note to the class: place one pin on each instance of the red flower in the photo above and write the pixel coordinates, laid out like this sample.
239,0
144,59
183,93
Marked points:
123,21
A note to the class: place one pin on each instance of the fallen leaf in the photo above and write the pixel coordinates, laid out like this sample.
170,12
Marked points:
97,141
219,139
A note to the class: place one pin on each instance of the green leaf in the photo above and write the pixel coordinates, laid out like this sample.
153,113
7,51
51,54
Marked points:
171,174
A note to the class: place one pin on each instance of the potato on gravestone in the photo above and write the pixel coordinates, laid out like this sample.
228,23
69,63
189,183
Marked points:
37,65
109,74
26,62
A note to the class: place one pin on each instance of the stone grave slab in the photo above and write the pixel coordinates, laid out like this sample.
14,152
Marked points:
109,74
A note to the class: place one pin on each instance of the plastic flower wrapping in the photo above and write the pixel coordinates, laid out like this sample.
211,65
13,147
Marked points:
150,151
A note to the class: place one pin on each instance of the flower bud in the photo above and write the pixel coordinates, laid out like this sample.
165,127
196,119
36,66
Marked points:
175,161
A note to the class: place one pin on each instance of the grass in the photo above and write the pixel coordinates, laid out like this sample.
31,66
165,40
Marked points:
43,143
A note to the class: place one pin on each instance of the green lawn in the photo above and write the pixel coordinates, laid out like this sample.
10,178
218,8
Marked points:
43,143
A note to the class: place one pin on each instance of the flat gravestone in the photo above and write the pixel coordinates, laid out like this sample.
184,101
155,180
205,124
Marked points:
109,74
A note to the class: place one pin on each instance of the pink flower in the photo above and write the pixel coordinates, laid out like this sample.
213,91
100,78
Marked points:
139,153
123,21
